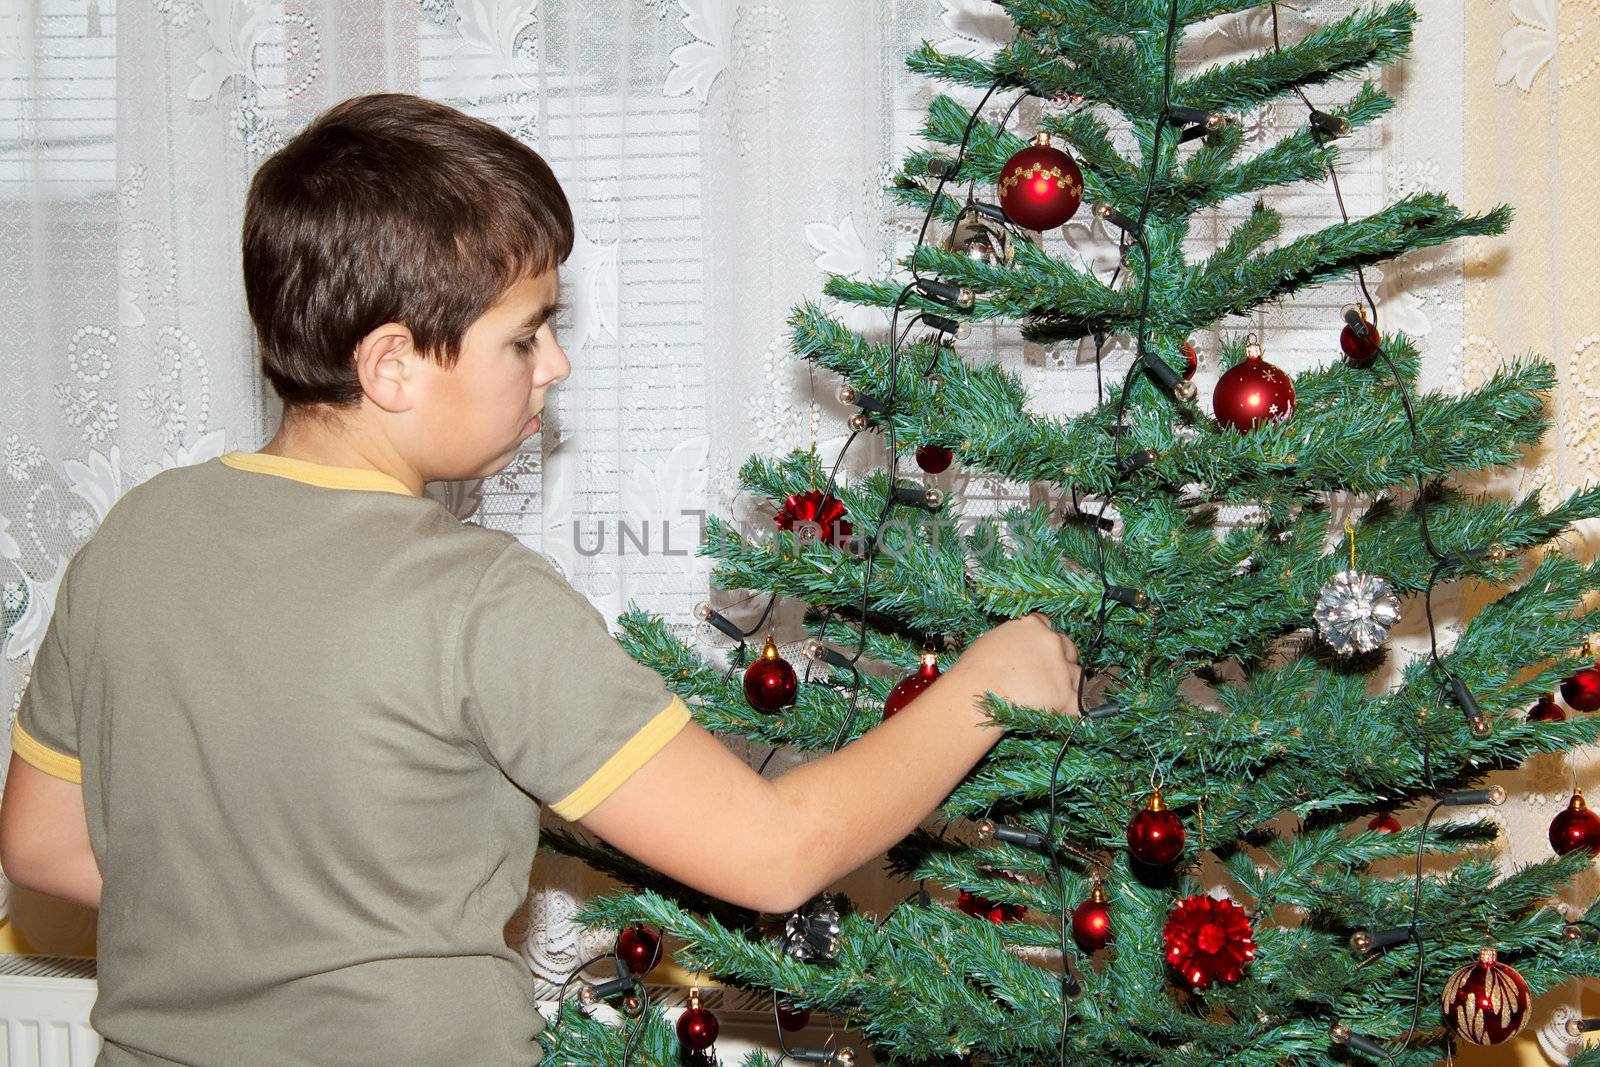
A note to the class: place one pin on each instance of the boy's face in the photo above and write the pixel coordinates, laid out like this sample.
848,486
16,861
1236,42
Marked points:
479,412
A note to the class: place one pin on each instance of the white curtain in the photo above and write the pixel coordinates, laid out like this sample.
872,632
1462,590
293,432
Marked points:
720,155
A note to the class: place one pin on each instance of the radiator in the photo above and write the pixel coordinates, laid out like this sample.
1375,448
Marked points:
44,1012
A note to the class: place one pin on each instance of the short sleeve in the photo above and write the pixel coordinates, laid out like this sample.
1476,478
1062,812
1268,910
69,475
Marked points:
559,707
46,731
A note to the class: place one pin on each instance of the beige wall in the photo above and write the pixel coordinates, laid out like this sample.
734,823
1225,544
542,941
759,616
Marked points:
1531,96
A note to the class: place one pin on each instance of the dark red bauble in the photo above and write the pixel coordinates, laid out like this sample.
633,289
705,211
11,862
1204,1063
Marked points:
1486,1002
1547,710
984,908
912,684
814,517
1155,835
793,1019
1252,392
638,950
1384,824
935,459
1360,347
1091,921
1208,940
1191,360
1582,690
1575,827
697,1026
1040,187
770,683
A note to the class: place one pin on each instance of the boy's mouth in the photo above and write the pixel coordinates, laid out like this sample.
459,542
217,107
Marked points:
532,426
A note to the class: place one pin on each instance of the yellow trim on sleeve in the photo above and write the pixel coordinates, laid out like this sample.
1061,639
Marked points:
56,764
650,739
303,470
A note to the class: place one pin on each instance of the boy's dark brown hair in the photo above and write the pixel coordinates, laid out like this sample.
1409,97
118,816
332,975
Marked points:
389,208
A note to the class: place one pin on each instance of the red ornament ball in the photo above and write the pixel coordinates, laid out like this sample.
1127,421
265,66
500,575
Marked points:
1547,710
1040,187
791,1018
912,684
638,950
1208,940
814,517
770,683
984,908
935,459
697,1026
1486,1002
1155,835
1582,690
1191,360
1575,827
1091,921
1384,824
1252,392
1360,346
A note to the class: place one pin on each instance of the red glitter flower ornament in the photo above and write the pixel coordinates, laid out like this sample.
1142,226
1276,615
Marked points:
814,517
1208,940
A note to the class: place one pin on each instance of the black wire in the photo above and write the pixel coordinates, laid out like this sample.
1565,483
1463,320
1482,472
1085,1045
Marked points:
1416,930
961,152
639,987
1087,653
893,461
1441,561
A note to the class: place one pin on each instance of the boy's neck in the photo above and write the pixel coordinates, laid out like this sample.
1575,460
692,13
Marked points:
317,441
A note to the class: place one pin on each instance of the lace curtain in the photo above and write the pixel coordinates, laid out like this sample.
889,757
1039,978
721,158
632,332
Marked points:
720,155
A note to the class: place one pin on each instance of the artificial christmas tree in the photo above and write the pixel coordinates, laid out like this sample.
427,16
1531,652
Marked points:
1261,736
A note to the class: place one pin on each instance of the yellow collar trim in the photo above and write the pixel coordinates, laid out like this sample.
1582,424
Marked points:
303,470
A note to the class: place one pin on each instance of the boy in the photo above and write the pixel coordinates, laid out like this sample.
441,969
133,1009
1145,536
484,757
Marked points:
292,722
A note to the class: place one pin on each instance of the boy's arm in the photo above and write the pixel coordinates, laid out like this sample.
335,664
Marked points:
44,835
772,844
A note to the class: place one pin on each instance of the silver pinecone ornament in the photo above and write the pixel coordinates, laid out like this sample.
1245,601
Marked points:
1354,612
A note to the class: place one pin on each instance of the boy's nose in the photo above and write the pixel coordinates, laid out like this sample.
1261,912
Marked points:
556,369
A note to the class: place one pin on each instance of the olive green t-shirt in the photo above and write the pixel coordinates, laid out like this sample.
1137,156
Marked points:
314,717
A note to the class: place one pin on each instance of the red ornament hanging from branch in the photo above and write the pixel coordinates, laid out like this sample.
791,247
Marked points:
1360,343
1191,360
1155,835
1575,827
1486,1002
1208,940
935,459
1582,690
814,517
1091,921
982,907
912,684
1040,187
770,683
697,1026
1252,392
638,950
1384,823
791,1018
1547,710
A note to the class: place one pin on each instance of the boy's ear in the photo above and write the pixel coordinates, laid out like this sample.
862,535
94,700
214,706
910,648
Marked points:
386,365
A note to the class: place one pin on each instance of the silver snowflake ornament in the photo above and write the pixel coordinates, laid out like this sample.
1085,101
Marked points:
1354,612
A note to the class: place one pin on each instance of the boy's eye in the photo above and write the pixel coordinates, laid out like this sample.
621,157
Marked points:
523,345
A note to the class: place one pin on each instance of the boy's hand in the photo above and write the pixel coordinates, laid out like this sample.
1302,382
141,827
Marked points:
1026,662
